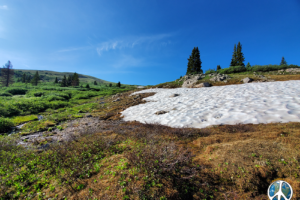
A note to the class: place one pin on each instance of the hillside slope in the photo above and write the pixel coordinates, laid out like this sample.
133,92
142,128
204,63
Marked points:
49,76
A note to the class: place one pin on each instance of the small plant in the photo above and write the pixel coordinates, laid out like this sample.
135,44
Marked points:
80,187
60,128
50,129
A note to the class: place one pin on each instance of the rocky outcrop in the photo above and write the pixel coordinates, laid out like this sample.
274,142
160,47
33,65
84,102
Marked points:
190,80
293,70
218,77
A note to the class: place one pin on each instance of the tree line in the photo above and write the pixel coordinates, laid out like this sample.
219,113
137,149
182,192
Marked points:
194,61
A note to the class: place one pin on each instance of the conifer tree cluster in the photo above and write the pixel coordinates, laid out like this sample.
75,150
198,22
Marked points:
237,56
194,62
95,83
26,78
218,67
72,80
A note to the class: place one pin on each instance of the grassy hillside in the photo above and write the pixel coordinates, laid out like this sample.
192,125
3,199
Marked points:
49,76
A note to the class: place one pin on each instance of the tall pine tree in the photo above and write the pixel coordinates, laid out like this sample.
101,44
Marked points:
56,81
69,80
36,79
75,81
24,78
234,57
240,56
218,67
283,61
194,62
64,82
7,74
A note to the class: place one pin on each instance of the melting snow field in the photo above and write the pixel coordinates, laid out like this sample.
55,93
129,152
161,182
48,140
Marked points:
201,107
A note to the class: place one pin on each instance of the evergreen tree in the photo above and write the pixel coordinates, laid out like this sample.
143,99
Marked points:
110,85
75,81
283,61
119,84
56,81
194,62
248,66
234,57
95,83
24,78
7,74
36,79
69,80
87,86
64,82
240,56
28,79
218,67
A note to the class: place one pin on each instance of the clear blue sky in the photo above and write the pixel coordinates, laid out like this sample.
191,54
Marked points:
145,42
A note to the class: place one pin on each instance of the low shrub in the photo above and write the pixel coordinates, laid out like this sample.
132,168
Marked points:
5,94
17,91
38,94
5,125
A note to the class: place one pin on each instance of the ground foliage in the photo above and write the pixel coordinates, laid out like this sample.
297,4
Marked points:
131,160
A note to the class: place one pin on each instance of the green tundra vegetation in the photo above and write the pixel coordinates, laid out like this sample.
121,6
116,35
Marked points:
133,160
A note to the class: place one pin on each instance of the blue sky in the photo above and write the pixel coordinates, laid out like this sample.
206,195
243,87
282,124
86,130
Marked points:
145,42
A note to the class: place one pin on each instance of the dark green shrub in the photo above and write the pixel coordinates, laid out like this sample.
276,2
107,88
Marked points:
210,71
5,125
55,98
38,94
5,94
17,91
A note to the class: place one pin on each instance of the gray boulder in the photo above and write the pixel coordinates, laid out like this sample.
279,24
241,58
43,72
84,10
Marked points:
247,80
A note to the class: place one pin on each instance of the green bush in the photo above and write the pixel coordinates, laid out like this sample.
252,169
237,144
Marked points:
5,125
17,91
55,98
5,94
38,94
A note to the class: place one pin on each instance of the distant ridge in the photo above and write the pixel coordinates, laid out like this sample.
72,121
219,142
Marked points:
49,76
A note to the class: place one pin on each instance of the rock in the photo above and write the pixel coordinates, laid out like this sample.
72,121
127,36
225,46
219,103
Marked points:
140,87
40,117
218,77
80,111
247,80
102,102
174,95
45,146
225,81
118,99
161,112
293,70
190,80
261,76
89,116
205,84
